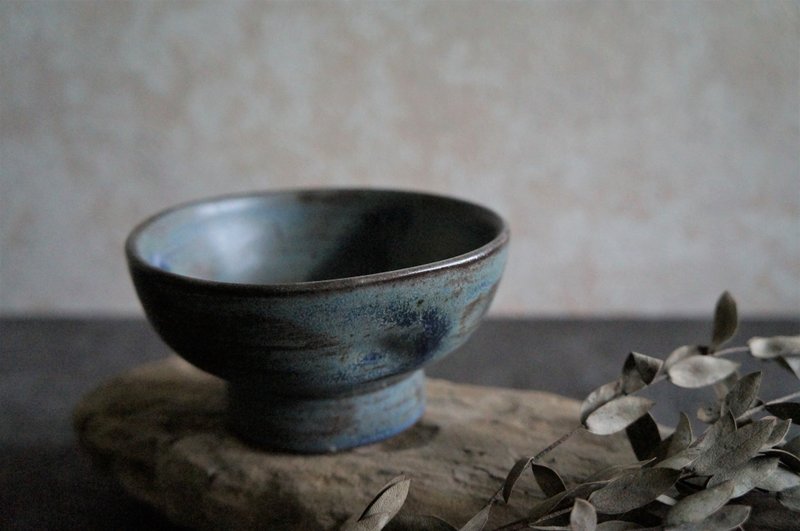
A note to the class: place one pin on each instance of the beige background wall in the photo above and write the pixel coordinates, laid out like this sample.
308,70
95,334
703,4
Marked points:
646,154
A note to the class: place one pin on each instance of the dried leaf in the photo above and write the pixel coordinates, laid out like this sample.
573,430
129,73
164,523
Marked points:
773,347
793,446
599,397
585,489
745,478
374,522
780,480
547,479
609,473
700,371
734,449
644,436
547,505
513,475
709,414
722,427
418,522
727,518
633,490
785,410
543,508
787,458
678,441
583,516
639,371
617,525
682,353
681,459
699,506
778,433
390,498
383,507
743,394
617,414
791,364
478,522
726,320
724,386
790,498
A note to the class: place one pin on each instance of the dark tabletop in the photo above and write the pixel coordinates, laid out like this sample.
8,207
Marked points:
46,365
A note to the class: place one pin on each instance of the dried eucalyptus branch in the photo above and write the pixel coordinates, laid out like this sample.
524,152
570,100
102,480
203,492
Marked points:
681,481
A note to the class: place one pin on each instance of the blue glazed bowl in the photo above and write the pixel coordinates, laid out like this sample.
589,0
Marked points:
319,307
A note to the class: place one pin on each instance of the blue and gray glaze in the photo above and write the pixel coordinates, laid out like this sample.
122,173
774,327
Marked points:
319,307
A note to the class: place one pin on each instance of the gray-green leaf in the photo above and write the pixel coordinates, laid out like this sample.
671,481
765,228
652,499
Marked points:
725,425
617,525
478,522
633,490
785,410
513,476
743,394
790,498
793,446
611,472
709,414
599,397
700,371
583,516
383,507
644,436
617,414
734,449
390,499
418,522
773,347
791,364
780,480
547,479
545,506
726,320
639,371
678,441
726,519
778,433
787,458
373,522
700,505
745,478
682,353
681,459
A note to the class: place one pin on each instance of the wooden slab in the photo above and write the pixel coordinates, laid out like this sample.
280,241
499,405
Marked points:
160,429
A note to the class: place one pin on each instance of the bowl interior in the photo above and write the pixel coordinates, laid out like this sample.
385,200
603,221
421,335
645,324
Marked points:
310,236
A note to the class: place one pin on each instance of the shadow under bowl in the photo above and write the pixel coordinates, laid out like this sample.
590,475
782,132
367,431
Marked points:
319,307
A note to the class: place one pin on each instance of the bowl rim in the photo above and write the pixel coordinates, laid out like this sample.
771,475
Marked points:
137,263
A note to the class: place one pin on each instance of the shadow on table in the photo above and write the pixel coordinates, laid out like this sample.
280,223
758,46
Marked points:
56,487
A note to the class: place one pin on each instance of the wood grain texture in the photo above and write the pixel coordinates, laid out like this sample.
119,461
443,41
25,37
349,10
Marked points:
160,430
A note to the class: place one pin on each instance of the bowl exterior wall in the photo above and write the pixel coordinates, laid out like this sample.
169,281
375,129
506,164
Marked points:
324,342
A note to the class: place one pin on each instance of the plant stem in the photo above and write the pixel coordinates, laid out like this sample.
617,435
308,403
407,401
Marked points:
753,410
524,523
731,350
555,444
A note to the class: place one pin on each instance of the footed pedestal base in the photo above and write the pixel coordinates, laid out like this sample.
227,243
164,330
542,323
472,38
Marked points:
369,414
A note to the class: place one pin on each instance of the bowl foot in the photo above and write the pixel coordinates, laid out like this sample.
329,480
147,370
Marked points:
327,424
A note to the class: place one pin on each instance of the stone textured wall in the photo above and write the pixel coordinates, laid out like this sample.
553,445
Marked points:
646,154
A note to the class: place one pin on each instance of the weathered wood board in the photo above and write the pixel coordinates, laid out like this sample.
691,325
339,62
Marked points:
160,429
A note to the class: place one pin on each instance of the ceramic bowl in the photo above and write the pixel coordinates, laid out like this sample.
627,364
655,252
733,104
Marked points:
319,307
